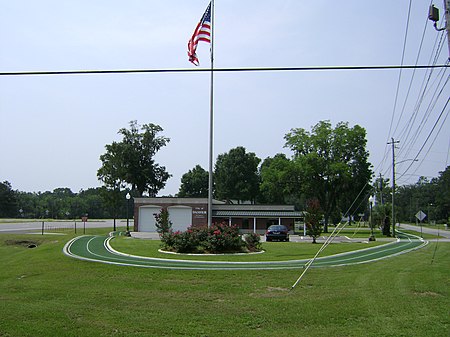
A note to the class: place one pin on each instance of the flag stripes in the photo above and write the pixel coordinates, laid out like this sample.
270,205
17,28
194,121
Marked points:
202,33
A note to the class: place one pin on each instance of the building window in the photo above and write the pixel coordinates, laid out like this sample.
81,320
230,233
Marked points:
245,224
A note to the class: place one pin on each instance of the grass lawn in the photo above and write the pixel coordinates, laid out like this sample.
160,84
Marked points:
364,232
273,251
45,293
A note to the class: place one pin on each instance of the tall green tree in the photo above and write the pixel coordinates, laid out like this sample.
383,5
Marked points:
8,200
443,195
194,184
131,161
333,165
312,219
236,175
279,180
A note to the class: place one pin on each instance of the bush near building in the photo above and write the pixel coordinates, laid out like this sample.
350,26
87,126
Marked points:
218,239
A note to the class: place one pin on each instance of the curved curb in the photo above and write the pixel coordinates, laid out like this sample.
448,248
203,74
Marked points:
98,249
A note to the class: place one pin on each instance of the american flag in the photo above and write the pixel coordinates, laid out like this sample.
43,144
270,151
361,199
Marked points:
202,33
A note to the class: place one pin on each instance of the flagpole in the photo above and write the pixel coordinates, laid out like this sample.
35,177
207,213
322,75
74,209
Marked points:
211,122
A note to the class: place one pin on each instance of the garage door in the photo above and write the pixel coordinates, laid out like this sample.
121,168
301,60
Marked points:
147,219
181,217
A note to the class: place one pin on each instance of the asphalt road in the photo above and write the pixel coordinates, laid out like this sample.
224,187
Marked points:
443,233
36,226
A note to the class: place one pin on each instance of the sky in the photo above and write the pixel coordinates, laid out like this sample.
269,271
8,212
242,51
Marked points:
54,128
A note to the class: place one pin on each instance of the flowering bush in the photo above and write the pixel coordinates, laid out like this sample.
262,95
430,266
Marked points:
223,238
253,242
184,242
220,238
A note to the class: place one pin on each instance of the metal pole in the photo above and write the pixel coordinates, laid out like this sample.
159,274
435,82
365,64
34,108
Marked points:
128,218
393,187
371,222
211,122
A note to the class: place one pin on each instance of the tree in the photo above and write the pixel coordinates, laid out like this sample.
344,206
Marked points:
279,180
8,201
312,219
131,161
236,175
194,184
382,190
443,194
333,165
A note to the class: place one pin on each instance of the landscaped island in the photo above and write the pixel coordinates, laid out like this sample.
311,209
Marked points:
217,239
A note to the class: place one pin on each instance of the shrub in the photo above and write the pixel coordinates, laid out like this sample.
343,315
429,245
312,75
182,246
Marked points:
163,224
185,242
253,242
220,238
223,238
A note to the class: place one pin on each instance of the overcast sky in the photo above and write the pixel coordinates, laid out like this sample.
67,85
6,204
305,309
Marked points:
54,128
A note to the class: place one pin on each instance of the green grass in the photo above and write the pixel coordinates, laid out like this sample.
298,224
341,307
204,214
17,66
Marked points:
273,251
45,293
364,232
425,236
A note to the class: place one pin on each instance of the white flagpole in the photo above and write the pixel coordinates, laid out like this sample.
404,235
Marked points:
211,122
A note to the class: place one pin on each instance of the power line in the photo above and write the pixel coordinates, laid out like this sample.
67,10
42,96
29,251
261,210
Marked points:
399,78
428,137
218,70
400,73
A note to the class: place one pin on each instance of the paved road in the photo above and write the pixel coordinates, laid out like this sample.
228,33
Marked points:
36,226
444,233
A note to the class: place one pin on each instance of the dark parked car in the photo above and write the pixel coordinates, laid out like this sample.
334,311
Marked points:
277,232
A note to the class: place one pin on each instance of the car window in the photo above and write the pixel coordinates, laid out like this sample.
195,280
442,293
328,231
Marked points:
277,228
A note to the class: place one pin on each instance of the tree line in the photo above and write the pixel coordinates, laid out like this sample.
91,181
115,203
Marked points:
327,164
61,203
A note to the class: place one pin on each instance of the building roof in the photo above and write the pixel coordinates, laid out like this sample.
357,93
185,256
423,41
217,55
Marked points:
174,200
252,207
257,214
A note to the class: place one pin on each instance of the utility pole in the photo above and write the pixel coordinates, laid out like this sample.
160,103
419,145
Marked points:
447,23
433,15
381,189
393,142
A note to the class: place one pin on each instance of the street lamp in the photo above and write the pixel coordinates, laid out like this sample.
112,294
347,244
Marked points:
371,200
429,213
128,197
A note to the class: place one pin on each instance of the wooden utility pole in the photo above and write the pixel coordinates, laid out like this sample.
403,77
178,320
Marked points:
433,15
381,189
393,142
447,22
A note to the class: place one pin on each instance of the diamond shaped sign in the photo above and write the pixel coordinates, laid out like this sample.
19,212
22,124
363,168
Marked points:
420,215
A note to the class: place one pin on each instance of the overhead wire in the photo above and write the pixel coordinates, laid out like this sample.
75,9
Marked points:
424,122
429,135
425,82
413,74
409,143
404,136
432,143
218,70
386,150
